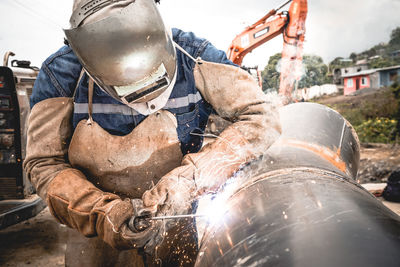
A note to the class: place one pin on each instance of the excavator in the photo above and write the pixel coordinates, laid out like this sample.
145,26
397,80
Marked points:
289,23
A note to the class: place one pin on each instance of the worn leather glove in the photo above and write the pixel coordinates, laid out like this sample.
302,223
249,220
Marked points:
77,203
203,172
173,194
119,230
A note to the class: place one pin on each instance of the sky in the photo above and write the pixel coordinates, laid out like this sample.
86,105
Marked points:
32,29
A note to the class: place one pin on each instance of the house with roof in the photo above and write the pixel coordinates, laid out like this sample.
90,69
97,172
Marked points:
372,78
395,54
340,72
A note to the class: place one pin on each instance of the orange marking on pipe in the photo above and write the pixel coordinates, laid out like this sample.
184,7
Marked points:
323,152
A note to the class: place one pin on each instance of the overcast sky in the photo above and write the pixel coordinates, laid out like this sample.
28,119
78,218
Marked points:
33,28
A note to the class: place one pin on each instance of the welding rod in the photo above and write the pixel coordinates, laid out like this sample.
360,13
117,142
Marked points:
173,217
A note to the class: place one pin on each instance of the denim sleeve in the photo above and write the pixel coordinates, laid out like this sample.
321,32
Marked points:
212,54
199,47
57,77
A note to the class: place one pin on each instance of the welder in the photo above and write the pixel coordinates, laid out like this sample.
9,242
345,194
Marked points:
116,130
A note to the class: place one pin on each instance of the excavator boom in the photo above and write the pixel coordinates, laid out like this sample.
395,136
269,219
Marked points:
253,37
289,23
292,53
257,34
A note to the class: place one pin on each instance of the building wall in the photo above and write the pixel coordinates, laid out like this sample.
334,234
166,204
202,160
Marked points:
316,91
375,80
353,69
387,77
337,77
348,87
351,83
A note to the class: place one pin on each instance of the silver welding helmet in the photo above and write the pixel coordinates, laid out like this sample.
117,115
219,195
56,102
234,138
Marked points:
126,49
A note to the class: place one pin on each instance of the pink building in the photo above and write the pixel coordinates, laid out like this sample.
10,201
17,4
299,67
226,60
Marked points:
372,78
357,81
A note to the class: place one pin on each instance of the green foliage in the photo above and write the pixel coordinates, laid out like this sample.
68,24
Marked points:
381,62
340,62
395,38
315,72
370,52
351,113
377,130
395,89
314,68
375,117
353,57
380,104
270,75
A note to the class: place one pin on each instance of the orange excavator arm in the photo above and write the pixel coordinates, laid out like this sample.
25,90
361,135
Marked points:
256,35
292,53
292,25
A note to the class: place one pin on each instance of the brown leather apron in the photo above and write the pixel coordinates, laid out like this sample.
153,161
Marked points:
128,166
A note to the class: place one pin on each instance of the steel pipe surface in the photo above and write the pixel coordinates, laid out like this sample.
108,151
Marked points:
300,205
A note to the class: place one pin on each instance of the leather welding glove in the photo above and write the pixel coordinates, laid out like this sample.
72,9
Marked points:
235,96
81,205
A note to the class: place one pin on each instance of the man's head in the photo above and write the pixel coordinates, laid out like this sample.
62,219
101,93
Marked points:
124,46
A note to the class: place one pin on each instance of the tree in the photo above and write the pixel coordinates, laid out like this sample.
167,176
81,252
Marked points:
395,38
381,62
315,72
339,63
353,57
270,75
395,88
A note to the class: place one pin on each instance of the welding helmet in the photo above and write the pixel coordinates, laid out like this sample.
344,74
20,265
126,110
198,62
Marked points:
124,47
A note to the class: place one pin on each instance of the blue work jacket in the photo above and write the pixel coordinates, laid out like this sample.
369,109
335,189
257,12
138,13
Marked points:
60,73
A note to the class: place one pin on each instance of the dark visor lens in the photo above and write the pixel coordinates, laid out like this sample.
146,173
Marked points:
154,87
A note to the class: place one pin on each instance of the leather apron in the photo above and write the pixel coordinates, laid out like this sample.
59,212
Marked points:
128,166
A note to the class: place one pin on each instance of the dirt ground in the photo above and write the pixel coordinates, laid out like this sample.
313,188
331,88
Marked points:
378,152
377,162
41,241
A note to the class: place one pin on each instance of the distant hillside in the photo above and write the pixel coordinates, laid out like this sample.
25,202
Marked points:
379,56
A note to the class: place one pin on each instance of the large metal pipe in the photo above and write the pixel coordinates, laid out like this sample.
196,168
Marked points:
300,205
